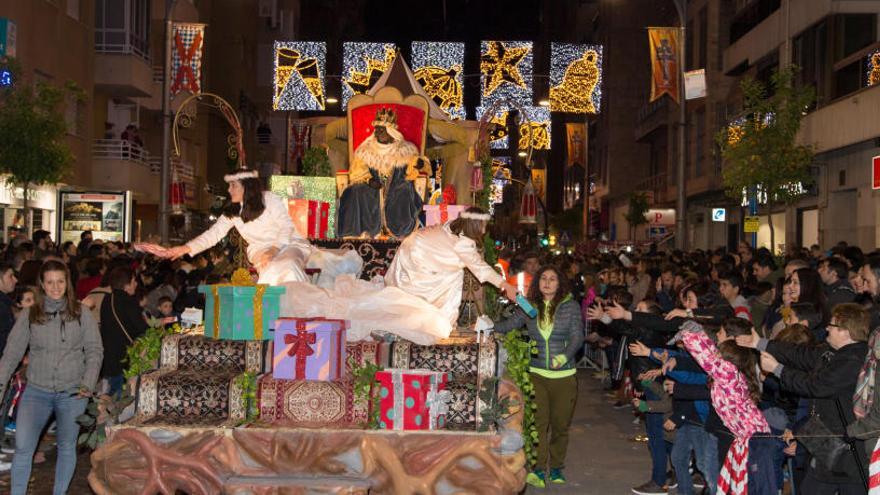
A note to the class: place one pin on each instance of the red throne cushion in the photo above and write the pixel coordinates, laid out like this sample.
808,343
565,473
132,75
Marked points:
410,122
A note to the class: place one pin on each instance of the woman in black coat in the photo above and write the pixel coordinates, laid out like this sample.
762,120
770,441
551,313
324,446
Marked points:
122,322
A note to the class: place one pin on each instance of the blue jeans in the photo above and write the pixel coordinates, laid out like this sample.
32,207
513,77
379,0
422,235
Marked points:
34,410
762,474
115,383
657,445
690,437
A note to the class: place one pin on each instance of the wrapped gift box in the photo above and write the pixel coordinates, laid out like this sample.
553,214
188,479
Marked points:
310,217
412,399
311,404
302,187
309,349
240,312
440,214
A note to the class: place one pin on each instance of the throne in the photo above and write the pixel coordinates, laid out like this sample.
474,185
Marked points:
412,122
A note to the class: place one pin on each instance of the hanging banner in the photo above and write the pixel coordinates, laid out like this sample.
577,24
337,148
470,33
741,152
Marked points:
300,139
695,84
576,141
664,62
186,57
539,179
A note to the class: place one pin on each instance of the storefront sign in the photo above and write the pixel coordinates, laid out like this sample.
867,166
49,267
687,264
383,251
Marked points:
7,37
658,216
719,215
875,174
751,224
106,214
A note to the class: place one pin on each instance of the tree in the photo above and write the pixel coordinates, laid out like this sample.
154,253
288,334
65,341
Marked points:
33,147
638,207
759,149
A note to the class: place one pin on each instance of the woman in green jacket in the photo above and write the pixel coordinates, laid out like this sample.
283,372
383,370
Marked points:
558,332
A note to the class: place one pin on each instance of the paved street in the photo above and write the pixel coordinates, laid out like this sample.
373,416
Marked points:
602,458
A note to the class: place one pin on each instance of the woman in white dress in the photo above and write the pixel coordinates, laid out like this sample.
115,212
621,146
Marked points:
429,263
275,248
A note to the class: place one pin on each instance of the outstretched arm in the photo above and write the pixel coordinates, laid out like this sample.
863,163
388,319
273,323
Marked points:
208,238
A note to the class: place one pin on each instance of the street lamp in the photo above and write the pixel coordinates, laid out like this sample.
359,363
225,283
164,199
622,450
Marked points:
681,7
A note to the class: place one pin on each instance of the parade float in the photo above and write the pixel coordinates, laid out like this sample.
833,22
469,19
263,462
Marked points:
248,401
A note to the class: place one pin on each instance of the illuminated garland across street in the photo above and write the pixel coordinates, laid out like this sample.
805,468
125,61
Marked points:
300,69
438,67
506,71
362,65
498,133
539,121
575,78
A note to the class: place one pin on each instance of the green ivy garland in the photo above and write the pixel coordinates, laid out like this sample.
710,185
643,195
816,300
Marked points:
519,351
247,381
143,354
364,386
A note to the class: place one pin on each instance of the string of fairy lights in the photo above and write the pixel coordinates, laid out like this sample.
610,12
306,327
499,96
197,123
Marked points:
506,72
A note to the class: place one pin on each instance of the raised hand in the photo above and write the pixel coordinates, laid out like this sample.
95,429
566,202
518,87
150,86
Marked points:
617,312
639,349
750,341
768,362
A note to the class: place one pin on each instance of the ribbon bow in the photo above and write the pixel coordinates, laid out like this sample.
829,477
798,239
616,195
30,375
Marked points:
300,341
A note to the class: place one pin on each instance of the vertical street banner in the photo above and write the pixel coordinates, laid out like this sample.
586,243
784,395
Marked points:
665,62
299,140
576,142
187,41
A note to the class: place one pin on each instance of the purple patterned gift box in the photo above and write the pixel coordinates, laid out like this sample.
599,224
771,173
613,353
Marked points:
309,349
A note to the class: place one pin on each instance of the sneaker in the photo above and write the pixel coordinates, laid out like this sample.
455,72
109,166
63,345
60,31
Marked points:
556,476
10,427
671,482
5,466
698,481
536,479
649,488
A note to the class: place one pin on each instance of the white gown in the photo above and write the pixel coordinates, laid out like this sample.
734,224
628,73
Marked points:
369,306
420,297
274,229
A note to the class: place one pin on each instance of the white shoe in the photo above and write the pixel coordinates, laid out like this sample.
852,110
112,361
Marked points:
5,466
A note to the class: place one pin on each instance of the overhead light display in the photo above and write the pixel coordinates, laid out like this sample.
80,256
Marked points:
300,69
539,121
438,67
498,131
506,71
362,65
575,78
874,68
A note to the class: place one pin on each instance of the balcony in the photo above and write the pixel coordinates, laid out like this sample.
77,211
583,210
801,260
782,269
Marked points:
122,54
652,116
185,173
122,165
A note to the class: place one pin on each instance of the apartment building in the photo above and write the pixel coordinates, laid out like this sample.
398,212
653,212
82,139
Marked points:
832,42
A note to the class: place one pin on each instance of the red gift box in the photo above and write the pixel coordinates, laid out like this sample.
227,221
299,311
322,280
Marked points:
412,399
310,217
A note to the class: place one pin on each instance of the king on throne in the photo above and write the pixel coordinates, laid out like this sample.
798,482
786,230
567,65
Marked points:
381,197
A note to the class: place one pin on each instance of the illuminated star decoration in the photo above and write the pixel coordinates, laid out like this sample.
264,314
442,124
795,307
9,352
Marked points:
575,78
874,68
539,121
299,75
506,71
498,131
362,65
437,66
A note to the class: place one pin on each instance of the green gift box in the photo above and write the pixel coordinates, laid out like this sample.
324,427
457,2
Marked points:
314,188
241,312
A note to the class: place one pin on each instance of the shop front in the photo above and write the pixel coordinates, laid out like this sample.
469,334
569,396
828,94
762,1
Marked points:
42,202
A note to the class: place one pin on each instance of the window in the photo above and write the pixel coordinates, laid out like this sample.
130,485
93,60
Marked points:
122,26
852,33
704,37
849,79
700,136
73,9
810,53
750,15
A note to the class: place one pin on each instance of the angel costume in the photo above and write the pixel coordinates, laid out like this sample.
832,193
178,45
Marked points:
429,264
274,229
